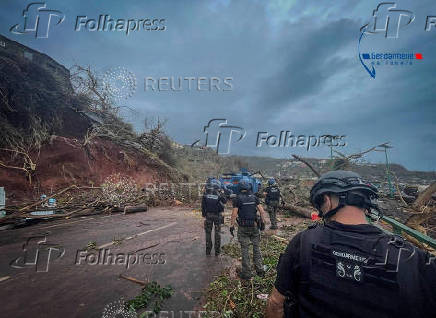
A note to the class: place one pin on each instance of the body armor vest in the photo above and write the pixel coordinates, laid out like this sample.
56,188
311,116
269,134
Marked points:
247,210
349,274
212,203
273,193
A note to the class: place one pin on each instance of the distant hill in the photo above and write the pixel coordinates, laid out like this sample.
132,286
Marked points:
203,162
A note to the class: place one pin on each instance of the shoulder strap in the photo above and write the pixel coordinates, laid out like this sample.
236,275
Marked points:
309,238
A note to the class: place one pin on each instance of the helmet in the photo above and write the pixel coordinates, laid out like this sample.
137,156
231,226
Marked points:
209,188
340,182
244,185
216,184
271,181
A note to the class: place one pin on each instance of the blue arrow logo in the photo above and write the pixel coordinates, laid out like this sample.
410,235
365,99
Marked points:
365,56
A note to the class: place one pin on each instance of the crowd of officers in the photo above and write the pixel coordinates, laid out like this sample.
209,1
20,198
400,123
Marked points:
340,267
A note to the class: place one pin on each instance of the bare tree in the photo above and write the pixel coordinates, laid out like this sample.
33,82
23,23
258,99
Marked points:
344,161
89,88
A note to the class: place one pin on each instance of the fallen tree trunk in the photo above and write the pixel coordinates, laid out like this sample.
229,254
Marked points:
424,213
424,197
134,209
307,213
416,219
130,209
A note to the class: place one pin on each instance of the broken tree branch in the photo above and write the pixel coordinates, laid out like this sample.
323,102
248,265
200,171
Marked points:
48,198
132,279
55,195
398,189
307,164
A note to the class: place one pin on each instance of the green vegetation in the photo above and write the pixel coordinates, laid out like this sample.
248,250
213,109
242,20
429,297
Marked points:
151,299
234,298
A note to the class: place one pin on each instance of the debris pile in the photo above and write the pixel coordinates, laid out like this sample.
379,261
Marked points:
117,194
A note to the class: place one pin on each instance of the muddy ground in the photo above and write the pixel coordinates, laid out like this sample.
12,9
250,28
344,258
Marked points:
68,289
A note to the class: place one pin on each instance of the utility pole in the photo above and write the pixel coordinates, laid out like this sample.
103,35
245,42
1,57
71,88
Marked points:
331,156
385,147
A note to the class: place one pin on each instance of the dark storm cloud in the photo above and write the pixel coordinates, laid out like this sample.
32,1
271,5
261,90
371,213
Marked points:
294,66
310,59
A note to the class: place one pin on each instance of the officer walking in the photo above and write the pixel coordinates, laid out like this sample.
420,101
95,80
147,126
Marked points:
272,201
349,268
212,206
245,207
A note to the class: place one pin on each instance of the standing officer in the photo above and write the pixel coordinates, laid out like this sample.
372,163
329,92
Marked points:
245,207
212,206
349,268
272,201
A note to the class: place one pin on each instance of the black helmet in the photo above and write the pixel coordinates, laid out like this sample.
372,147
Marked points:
244,185
342,182
216,184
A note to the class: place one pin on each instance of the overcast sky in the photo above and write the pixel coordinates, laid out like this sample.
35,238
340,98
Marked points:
294,66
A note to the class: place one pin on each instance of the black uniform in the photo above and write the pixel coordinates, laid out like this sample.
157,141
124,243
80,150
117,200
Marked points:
248,232
272,200
212,206
338,270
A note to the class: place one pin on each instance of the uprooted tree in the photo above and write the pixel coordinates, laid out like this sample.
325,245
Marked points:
20,151
97,102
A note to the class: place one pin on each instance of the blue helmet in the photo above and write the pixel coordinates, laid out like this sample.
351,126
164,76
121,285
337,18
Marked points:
244,185
271,181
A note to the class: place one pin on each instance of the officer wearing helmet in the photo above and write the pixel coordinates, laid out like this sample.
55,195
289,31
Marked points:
245,207
272,199
347,267
212,206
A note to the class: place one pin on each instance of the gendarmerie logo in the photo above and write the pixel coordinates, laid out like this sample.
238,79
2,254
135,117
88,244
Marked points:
352,257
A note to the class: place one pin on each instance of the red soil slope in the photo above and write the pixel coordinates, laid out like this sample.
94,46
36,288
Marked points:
65,161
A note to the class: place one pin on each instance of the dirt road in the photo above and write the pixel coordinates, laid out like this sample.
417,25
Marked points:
67,281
